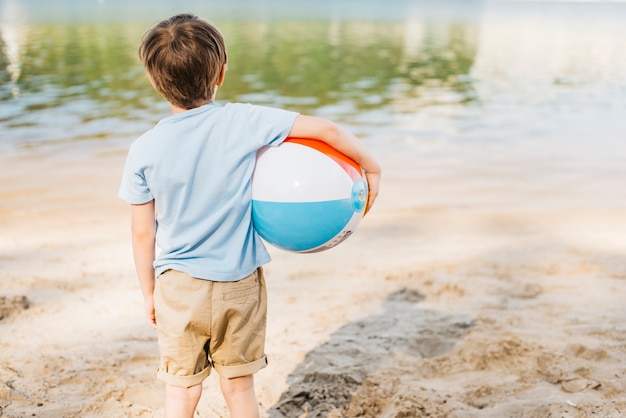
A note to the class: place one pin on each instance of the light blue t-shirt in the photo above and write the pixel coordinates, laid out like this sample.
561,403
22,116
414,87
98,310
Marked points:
197,166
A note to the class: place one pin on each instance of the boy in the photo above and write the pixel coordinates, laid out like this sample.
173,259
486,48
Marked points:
205,292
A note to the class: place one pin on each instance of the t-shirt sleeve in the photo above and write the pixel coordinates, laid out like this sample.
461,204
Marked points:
270,125
134,188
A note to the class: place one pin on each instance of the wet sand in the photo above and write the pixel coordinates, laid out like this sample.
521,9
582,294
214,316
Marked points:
470,290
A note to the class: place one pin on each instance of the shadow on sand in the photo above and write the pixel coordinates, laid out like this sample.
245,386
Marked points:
332,379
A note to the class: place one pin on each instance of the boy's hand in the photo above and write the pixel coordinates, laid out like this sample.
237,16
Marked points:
373,184
149,306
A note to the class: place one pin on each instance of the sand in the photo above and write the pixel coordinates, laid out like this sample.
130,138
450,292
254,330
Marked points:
458,296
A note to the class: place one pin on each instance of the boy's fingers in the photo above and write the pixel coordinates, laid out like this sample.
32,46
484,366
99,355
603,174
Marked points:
370,202
373,182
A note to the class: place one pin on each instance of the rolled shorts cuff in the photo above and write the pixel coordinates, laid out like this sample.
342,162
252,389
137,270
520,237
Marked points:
183,381
240,370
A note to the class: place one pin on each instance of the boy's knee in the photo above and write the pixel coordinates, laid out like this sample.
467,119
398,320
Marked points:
236,385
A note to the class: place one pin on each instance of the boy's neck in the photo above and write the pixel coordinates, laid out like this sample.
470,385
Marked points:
175,109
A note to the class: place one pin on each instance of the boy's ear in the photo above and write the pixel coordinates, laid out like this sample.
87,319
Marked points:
151,80
220,80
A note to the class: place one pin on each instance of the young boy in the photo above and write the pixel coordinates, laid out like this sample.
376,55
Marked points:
205,292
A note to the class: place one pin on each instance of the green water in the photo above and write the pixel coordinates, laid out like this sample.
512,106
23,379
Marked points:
81,71
536,85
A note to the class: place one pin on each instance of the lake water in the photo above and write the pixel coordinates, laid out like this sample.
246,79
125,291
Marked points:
538,86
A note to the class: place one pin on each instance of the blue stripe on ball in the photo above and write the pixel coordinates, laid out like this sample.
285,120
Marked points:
301,226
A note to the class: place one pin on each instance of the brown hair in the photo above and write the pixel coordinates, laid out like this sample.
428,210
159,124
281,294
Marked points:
184,56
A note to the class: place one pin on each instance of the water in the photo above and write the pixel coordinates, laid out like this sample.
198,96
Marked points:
533,88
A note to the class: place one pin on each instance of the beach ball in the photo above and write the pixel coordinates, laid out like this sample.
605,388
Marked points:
306,196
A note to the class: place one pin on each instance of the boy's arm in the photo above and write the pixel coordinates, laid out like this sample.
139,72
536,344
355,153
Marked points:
311,127
143,227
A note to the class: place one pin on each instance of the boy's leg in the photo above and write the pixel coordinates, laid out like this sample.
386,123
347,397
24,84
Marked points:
183,315
238,343
181,402
240,397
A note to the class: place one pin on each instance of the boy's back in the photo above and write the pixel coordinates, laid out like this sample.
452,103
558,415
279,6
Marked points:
197,165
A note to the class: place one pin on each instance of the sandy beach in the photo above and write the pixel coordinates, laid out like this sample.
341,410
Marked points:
487,282
452,299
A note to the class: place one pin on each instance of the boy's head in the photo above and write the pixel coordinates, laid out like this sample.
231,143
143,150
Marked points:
184,57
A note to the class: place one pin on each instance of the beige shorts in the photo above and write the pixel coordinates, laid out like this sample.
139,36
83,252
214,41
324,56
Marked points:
202,323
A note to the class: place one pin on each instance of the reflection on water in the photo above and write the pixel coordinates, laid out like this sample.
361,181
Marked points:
449,72
83,73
